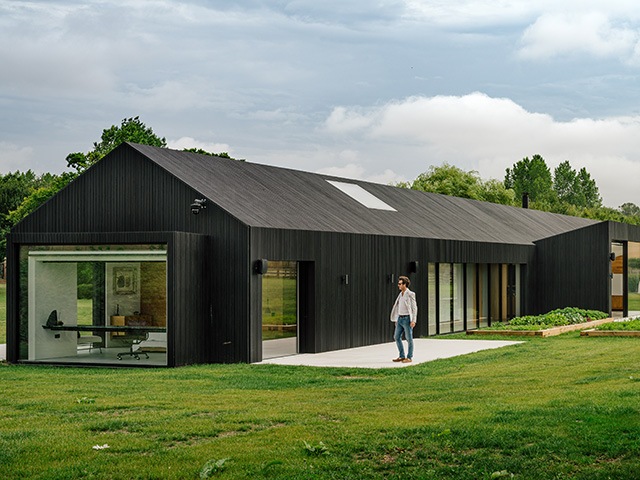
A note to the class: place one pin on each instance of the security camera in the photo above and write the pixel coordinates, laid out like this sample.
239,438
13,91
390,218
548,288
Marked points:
198,204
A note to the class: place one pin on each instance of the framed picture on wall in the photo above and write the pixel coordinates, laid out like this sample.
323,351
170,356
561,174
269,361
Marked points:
125,280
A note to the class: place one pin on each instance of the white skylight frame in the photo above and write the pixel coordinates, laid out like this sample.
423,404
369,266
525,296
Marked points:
361,196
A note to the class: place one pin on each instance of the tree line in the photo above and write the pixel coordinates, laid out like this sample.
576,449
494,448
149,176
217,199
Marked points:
564,190
22,192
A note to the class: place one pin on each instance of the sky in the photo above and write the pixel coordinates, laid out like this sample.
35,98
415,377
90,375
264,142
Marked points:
377,90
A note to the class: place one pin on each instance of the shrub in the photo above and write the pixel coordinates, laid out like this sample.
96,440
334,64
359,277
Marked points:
85,290
559,317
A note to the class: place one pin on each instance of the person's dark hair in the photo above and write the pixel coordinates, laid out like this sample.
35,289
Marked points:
405,280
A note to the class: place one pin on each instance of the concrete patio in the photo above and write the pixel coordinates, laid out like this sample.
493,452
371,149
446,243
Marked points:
380,356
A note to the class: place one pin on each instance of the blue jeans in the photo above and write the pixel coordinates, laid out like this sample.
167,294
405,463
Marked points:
404,325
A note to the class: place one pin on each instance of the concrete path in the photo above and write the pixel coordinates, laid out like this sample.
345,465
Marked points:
380,356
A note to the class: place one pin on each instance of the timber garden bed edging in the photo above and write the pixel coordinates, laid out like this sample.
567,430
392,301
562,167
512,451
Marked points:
610,333
546,332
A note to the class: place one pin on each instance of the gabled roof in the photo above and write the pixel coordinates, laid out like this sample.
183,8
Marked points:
272,197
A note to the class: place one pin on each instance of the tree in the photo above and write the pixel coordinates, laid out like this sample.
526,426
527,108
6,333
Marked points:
130,130
201,151
564,182
586,191
494,191
450,180
530,176
14,188
630,209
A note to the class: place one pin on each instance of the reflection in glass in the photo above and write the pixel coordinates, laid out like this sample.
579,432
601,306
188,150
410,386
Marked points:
458,297
280,309
483,294
71,289
432,298
617,279
445,297
633,268
495,292
472,297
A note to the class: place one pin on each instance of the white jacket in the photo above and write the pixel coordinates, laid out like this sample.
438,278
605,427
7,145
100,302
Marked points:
409,298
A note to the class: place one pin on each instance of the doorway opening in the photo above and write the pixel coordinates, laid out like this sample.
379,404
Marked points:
280,309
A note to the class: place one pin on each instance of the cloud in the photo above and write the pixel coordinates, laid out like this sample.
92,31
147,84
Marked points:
592,33
478,132
14,157
188,142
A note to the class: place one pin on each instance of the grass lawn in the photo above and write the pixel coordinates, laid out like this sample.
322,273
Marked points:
560,407
634,302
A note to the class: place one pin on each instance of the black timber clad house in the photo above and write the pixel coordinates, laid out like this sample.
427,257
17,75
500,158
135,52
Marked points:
130,218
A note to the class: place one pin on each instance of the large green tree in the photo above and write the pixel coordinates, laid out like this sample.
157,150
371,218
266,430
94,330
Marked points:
130,130
530,176
564,182
451,180
586,194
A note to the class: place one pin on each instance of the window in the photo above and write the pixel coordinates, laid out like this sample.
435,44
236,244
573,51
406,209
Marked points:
93,304
360,195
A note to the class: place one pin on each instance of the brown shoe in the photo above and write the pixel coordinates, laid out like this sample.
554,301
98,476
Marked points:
399,359
406,360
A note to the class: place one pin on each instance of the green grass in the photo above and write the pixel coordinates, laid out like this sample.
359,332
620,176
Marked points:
562,407
634,302
279,301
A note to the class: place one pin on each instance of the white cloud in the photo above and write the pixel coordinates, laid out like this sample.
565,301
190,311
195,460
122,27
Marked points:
592,33
489,134
188,142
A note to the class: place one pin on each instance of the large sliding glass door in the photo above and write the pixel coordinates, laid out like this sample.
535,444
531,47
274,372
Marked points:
468,296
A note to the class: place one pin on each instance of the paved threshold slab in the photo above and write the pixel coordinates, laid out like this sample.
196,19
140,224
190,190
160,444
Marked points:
380,356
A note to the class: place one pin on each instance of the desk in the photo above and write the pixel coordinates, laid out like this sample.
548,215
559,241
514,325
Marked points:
132,320
137,333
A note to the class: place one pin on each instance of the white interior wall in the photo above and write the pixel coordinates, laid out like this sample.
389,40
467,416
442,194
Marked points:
52,286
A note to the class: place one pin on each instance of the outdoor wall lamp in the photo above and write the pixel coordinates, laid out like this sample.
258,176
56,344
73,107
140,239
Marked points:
391,278
345,279
612,256
413,266
261,266
198,204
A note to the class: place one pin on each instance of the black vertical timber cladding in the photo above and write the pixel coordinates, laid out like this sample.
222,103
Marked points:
357,314
214,295
572,270
132,195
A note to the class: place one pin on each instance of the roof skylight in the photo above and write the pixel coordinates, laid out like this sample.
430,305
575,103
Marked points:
360,195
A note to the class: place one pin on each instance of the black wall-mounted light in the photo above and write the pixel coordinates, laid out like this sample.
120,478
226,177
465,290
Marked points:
261,266
413,266
345,279
198,204
391,278
612,256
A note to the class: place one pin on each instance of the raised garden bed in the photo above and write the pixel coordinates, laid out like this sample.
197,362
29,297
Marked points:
543,332
625,328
